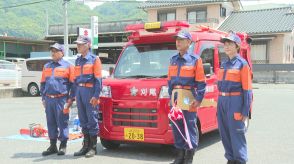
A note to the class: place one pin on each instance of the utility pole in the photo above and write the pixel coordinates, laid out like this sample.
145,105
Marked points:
65,27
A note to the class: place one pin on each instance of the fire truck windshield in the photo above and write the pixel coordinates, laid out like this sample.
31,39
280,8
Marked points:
145,61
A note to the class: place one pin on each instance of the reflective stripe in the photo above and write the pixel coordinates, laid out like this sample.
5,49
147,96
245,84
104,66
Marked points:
71,74
88,85
88,69
55,96
238,116
77,71
246,78
233,75
182,87
199,71
47,72
187,71
229,93
173,70
97,68
61,72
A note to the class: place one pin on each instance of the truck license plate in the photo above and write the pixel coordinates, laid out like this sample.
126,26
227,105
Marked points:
134,134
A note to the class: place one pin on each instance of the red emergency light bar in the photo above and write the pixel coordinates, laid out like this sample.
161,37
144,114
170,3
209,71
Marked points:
243,36
136,27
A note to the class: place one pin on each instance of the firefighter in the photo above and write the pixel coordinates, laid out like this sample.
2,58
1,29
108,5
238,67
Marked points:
57,95
88,83
234,101
186,71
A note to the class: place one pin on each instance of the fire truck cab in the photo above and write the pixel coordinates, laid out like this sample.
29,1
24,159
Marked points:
134,102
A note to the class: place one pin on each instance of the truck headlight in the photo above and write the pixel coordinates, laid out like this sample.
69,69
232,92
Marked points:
164,92
106,91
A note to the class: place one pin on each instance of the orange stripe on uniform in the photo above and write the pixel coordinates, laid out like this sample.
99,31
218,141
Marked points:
172,70
187,71
97,68
246,78
220,74
47,72
77,71
61,72
88,69
199,71
233,75
71,74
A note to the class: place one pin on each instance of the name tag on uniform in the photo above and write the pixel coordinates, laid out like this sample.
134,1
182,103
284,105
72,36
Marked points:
182,98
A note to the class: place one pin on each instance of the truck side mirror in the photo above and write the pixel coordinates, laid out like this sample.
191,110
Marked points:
207,69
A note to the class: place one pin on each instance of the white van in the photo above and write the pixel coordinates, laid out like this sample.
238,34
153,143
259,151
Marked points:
32,73
9,74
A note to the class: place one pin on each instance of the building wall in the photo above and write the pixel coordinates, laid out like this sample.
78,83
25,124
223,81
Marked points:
181,13
288,48
276,53
213,12
152,15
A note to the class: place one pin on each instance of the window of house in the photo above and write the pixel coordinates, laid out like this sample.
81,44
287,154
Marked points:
223,12
166,16
197,16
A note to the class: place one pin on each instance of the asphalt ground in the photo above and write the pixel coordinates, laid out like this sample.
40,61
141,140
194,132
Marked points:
270,136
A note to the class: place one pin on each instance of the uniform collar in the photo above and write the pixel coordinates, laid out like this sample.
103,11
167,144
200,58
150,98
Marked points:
233,61
87,57
60,62
186,56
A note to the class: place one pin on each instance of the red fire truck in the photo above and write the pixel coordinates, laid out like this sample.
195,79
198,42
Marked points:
134,102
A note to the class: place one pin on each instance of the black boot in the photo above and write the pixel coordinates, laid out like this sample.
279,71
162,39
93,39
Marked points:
62,148
92,148
52,148
180,153
231,162
85,147
238,162
188,159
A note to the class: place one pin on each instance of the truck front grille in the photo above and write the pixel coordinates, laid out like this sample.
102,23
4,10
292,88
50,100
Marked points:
135,117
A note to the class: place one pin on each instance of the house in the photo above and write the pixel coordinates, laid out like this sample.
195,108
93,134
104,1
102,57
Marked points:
271,31
21,47
196,12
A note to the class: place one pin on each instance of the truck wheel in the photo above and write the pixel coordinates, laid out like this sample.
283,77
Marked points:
109,144
33,90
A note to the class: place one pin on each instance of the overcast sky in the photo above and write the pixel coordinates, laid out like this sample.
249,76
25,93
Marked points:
244,2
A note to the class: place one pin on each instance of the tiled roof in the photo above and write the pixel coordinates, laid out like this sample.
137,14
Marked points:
273,20
169,3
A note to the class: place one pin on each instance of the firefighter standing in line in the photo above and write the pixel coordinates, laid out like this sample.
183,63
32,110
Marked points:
57,95
186,71
88,83
235,97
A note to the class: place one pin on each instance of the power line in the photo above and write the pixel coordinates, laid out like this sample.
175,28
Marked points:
24,4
